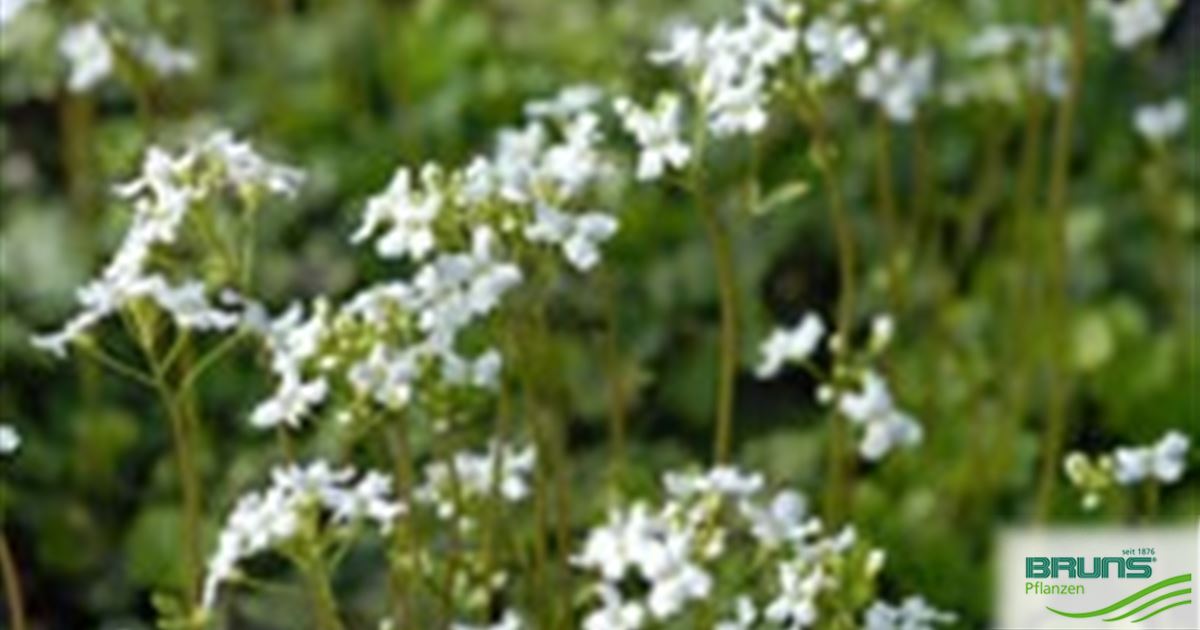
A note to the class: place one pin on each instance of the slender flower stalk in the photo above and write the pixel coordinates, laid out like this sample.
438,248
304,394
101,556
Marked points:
888,214
1059,387
15,600
722,250
838,487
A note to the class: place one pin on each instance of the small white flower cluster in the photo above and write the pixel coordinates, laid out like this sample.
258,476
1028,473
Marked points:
292,341
1134,21
1159,122
1163,462
528,186
794,345
835,45
10,440
896,84
885,426
914,613
657,134
298,499
866,401
502,471
88,48
1006,60
729,67
671,553
168,189
12,9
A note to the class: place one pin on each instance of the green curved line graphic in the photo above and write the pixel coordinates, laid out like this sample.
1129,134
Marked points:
1178,579
1182,591
1163,609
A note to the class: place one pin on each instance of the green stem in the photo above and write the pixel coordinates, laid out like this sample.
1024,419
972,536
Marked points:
722,249
12,586
324,601
839,488
888,215
1059,386
404,535
188,474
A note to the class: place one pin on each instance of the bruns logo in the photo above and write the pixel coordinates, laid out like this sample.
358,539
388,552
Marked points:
1074,567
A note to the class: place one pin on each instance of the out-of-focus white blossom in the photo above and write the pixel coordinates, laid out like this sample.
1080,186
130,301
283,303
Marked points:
293,399
792,345
896,84
657,134
729,65
1134,21
12,9
10,440
407,214
89,51
614,612
468,476
885,426
165,60
1164,461
796,604
88,54
579,236
1159,122
570,101
261,520
834,47
914,613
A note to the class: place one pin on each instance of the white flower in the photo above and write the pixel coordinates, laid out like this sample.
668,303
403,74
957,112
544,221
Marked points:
897,84
293,400
914,613
1135,21
409,215
738,107
614,613
12,9
189,306
10,440
88,53
729,66
570,101
722,480
162,58
784,520
579,236
796,604
1162,121
1164,461
261,520
886,427
657,133
792,345
245,169
833,47
167,189
468,475
883,328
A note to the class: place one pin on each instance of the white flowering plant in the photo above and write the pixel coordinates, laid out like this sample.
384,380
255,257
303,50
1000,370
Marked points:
415,315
